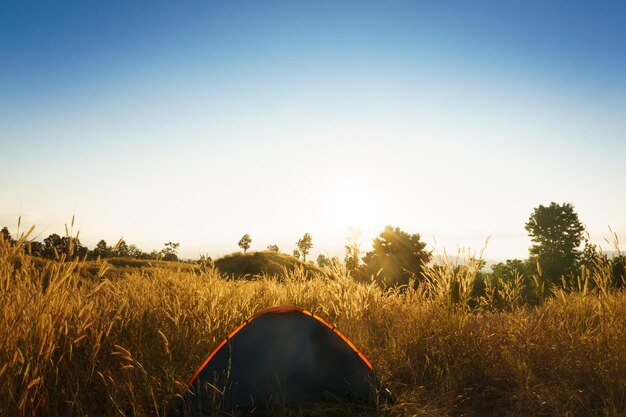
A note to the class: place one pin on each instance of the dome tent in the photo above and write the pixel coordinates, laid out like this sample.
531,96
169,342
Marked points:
281,356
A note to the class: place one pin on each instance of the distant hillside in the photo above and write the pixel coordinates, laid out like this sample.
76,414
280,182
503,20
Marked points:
120,266
256,263
116,267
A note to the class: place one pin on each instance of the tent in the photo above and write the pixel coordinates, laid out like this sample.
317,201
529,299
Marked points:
281,356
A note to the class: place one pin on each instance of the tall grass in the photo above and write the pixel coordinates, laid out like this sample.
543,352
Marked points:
125,346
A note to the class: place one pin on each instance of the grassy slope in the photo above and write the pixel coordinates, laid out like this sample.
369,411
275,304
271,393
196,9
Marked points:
262,263
115,267
71,347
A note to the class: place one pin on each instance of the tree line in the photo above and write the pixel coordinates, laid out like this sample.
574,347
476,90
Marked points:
395,259
304,246
53,246
559,253
561,249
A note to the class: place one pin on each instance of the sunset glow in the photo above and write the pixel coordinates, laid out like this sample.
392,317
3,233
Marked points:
199,124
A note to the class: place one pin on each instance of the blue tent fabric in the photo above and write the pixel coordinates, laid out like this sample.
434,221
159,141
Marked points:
286,356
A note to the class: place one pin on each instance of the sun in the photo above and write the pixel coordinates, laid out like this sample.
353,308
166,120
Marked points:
354,205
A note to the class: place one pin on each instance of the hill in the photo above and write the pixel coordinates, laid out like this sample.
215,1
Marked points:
250,264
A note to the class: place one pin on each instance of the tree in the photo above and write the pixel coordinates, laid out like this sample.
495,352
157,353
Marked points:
135,252
323,261
304,245
6,235
169,252
396,257
618,270
557,234
506,271
35,248
353,250
591,255
273,248
121,249
296,253
244,242
102,250
79,250
54,246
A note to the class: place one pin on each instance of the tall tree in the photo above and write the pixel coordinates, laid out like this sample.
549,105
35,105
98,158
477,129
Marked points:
304,245
557,234
244,242
396,257
353,250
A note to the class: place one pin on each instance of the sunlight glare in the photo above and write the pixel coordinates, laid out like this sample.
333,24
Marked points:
354,205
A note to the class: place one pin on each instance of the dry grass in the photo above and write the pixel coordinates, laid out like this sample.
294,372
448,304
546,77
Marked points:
124,346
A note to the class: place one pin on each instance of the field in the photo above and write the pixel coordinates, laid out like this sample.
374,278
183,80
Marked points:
124,344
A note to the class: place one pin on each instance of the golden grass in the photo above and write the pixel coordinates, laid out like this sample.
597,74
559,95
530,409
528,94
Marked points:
71,346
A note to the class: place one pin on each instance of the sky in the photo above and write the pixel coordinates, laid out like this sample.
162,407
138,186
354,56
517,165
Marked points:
197,122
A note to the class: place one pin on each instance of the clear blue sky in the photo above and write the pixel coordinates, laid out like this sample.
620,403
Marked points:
198,122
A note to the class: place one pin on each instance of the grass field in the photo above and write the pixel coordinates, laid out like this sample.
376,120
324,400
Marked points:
125,344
